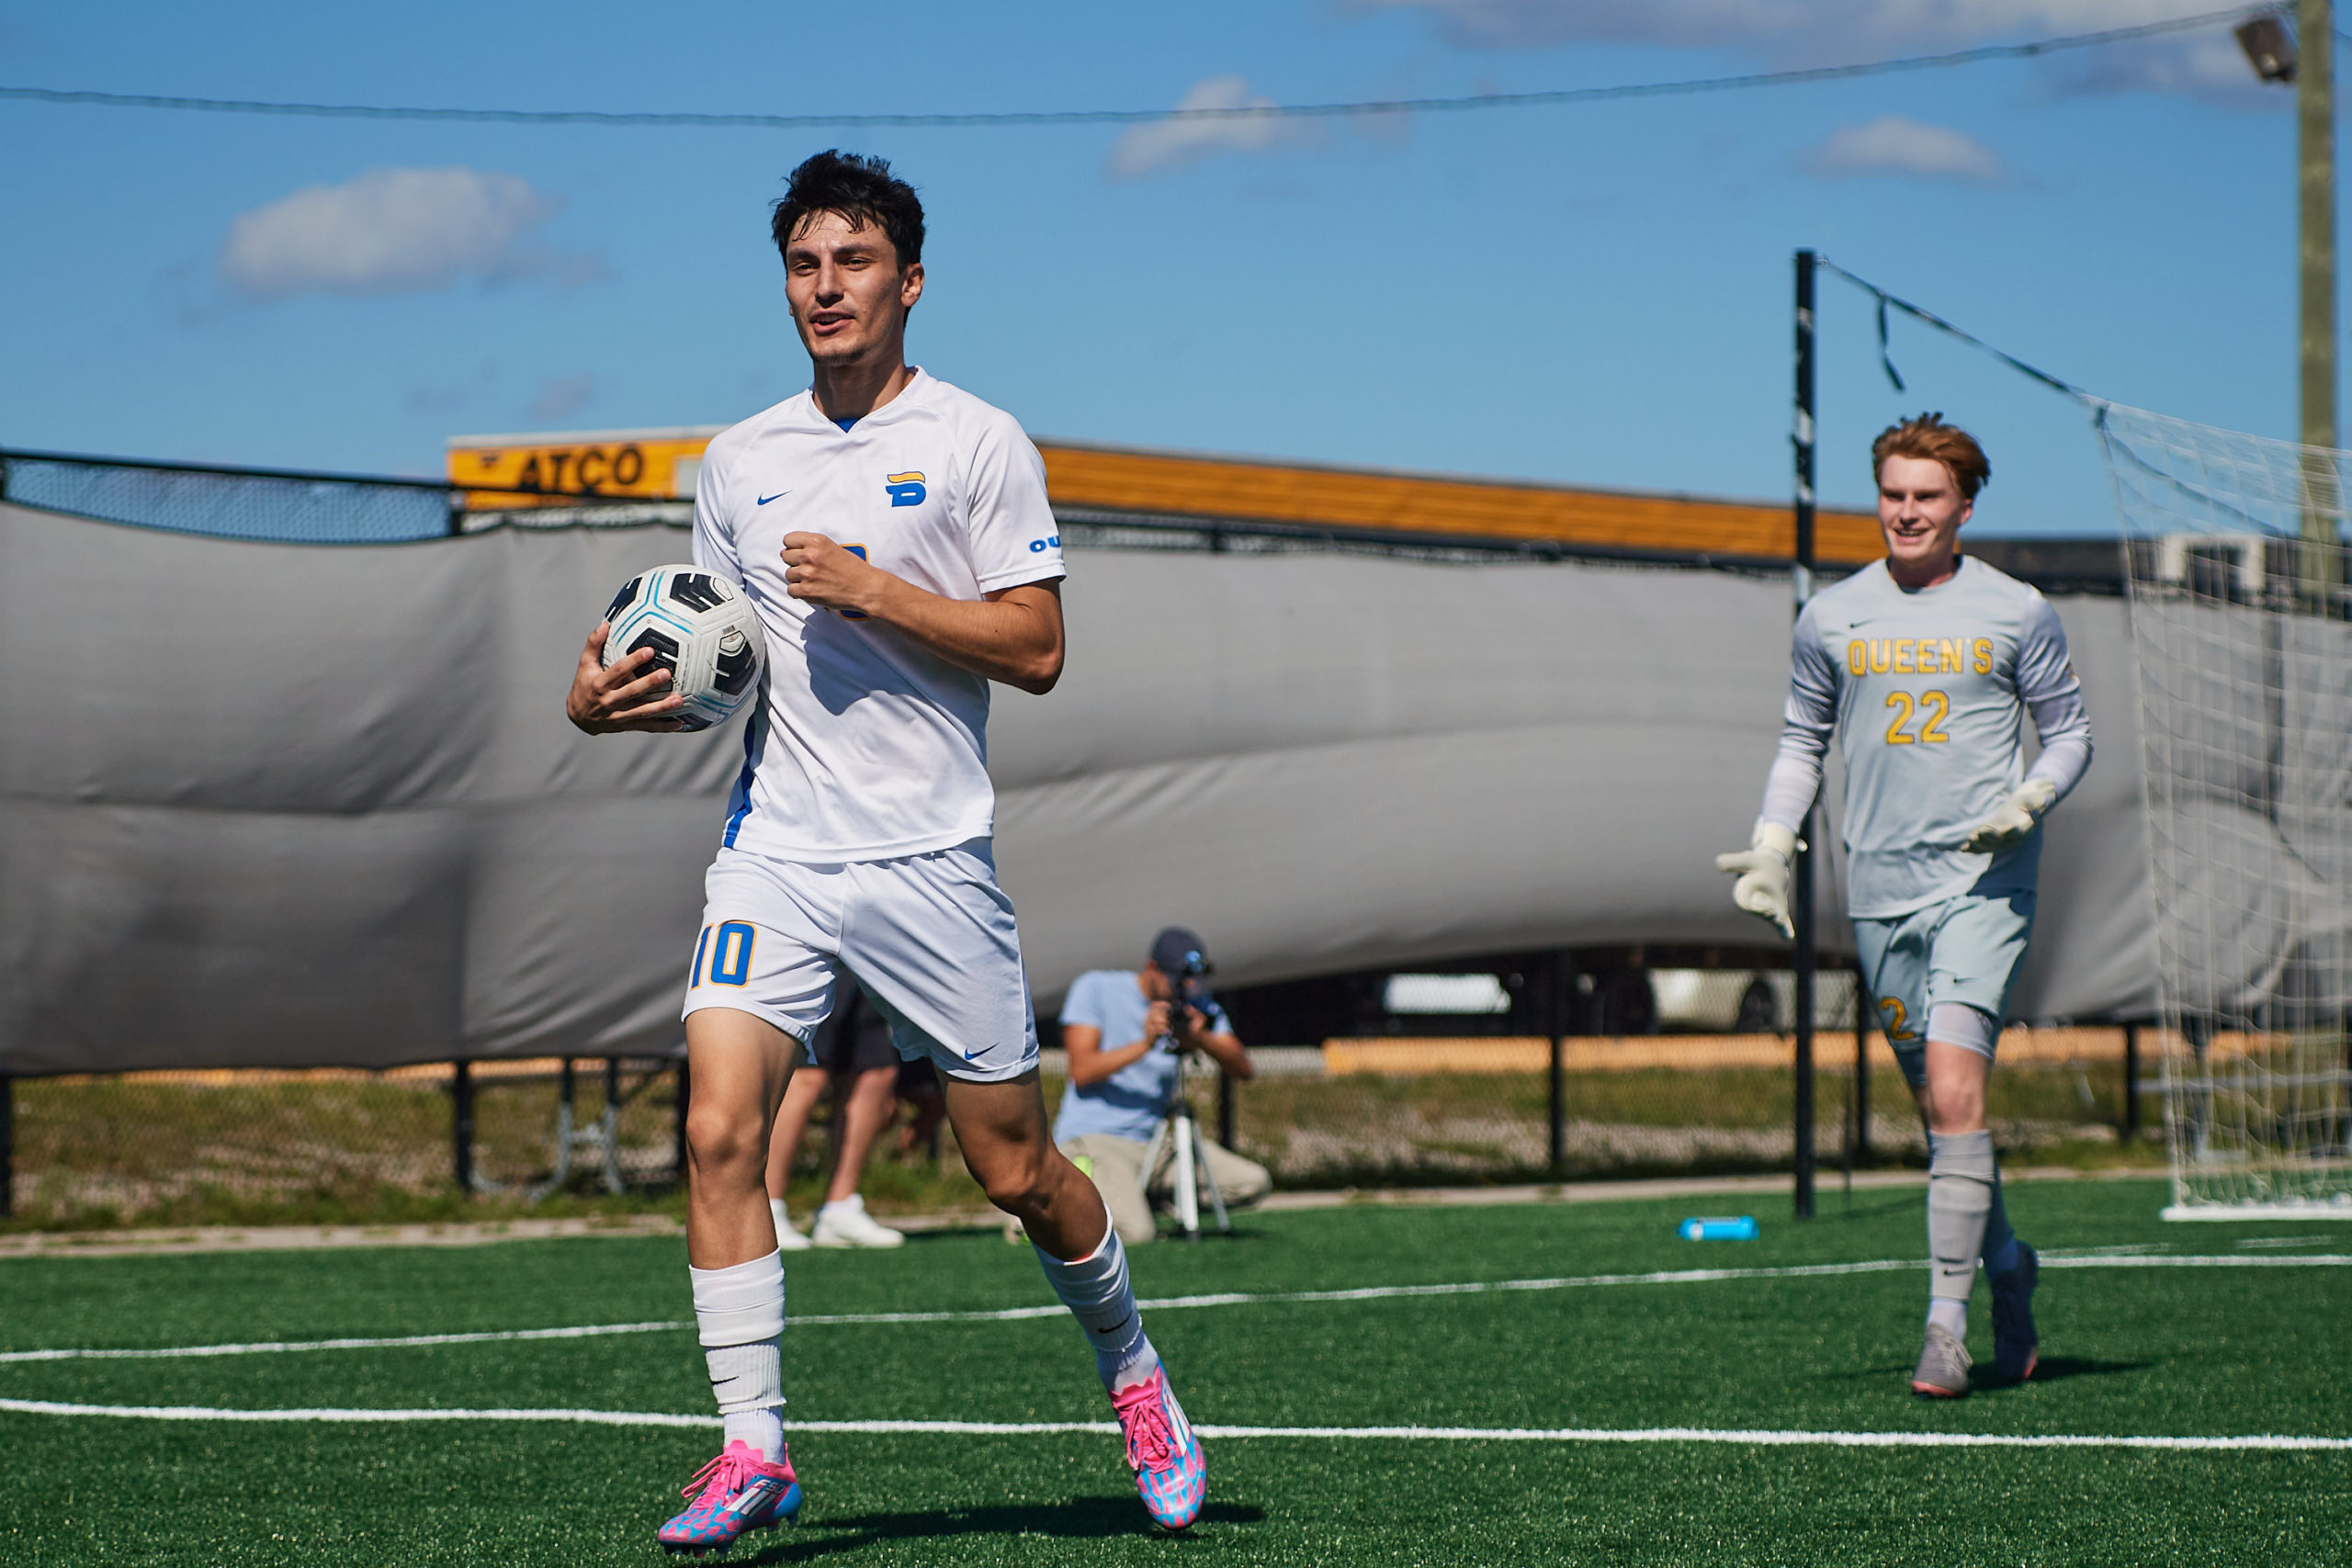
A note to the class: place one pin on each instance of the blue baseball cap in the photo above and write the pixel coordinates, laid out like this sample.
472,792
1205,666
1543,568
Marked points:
1177,952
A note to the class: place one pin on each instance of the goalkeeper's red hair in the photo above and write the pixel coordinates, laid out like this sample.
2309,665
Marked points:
1929,437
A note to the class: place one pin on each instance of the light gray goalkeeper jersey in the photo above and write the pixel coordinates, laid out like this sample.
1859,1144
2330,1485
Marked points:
1927,690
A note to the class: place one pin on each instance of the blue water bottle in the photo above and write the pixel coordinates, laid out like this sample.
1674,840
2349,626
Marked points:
1742,1228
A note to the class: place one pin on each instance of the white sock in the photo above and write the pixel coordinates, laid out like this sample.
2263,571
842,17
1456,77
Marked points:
1949,1313
1096,1289
748,1381
1961,1173
783,1220
739,1313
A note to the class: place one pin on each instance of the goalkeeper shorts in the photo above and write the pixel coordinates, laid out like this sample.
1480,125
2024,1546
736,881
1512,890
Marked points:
929,938
1964,950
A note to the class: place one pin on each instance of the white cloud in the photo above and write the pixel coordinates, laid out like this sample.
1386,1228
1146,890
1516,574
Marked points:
1893,145
390,231
2205,65
562,397
1519,24
1816,32
1159,145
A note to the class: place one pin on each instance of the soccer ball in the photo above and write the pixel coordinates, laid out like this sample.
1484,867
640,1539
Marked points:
701,629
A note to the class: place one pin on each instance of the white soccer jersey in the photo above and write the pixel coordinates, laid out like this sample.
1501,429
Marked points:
867,746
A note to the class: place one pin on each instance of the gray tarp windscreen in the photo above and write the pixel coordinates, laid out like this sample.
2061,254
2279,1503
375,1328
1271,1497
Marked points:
274,805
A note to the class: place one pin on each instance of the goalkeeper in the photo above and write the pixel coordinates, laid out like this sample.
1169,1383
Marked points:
1923,665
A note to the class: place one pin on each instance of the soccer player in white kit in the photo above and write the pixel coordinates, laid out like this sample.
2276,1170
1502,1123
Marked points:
1924,665
893,533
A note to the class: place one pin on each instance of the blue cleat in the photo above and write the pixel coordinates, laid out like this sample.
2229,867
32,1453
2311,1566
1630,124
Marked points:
1162,1449
737,1491
2017,1349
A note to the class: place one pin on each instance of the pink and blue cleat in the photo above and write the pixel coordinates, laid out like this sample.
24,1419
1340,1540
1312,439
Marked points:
737,1491
1164,1452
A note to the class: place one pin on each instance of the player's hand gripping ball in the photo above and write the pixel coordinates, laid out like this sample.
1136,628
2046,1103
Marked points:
700,629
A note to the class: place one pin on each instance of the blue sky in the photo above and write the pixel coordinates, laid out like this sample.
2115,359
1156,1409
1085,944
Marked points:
1591,295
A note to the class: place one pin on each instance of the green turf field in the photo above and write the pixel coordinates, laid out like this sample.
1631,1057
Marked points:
2208,1350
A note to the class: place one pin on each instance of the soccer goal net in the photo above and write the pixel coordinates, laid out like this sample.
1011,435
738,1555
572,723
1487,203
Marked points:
2242,636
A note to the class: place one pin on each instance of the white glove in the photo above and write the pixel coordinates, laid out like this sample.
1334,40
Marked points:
1763,870
2015,819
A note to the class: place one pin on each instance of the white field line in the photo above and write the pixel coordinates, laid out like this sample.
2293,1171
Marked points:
405,1341
1228,1298
1566,1282
1754,1438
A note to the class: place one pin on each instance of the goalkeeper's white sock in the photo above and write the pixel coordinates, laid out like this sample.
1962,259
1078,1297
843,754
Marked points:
738,1314
1097,1290
1961,1173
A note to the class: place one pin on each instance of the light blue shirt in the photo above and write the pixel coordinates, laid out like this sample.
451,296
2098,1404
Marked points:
1131,1103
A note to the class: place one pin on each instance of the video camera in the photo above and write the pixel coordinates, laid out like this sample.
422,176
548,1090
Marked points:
1177,954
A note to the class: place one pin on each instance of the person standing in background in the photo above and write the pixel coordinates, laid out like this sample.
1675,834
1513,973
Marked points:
852,1049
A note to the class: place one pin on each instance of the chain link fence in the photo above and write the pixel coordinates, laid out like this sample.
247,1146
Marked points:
330,1145
1701,1083
333,1144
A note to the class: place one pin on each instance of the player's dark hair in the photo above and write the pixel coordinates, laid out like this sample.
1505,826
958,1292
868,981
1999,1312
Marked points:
1929,436
861,190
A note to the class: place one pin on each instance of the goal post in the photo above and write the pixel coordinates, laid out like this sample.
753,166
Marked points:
2241,644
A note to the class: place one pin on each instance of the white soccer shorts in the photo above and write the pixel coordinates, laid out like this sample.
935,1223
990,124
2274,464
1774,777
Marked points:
1964,950
929,937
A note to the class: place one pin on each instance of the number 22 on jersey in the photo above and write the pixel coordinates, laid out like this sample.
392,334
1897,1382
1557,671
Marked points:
1932,709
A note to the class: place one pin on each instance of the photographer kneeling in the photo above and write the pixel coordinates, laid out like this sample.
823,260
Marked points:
1127,1034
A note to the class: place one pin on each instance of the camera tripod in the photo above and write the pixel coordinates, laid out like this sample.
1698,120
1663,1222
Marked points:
1189,1167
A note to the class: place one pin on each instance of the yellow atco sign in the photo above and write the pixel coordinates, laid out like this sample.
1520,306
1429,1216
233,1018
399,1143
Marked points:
507,472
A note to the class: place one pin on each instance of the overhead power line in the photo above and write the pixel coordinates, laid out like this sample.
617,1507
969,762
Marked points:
1140,117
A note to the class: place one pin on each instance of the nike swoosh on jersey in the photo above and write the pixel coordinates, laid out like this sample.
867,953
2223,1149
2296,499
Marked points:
777,496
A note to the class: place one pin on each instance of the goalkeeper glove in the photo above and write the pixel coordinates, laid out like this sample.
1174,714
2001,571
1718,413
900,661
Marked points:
1763,870
2008,826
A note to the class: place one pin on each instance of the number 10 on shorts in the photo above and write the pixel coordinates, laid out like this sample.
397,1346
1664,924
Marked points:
729,950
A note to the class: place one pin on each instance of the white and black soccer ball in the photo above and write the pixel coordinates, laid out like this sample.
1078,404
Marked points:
701,629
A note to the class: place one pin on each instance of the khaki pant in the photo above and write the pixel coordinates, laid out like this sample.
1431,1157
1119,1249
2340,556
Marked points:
1115,1166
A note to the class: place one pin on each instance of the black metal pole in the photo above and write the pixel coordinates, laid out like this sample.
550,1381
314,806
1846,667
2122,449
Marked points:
1800,879
1555,1026
461,1124
2130,1082
7,1146
678,1122
1224,1107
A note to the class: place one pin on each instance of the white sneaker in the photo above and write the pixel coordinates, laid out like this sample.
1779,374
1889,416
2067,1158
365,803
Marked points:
846,1223
786,1238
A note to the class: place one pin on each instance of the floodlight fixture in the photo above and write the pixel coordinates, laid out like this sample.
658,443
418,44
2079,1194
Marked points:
2269,47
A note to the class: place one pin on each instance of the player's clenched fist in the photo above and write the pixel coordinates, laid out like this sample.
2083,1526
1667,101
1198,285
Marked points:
626,697
1763,870
835,576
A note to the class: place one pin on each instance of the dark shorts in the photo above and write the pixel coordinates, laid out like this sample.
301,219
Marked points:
855,1038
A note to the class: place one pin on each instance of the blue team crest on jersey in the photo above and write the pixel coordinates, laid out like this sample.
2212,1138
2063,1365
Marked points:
859,551
906,490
